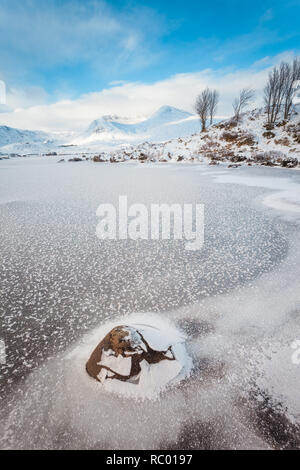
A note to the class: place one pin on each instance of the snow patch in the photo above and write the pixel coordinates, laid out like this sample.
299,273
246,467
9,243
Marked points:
154,378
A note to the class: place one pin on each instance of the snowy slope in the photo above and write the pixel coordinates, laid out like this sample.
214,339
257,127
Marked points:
247,141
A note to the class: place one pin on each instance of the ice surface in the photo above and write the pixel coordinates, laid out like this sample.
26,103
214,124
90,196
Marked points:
236,301
285,199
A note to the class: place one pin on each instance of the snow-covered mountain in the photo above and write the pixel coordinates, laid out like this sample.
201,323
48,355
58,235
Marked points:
26,142
108,131
166,123
10,135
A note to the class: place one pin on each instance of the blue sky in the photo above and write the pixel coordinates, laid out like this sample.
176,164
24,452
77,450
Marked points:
54,50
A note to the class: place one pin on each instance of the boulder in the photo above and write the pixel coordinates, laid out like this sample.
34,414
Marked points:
289,162
97,158
268,135
233,165
75,159
120,353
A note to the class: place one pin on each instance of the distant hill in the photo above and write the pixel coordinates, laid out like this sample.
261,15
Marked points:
10,135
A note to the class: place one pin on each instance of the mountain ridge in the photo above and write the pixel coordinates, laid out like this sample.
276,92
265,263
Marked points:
109,128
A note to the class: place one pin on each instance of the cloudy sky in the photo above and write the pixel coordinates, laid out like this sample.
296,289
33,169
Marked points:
66,63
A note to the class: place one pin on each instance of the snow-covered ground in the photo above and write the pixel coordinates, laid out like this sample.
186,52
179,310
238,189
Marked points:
247,141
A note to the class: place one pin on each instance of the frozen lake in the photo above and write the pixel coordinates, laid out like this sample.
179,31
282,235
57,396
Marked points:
237,299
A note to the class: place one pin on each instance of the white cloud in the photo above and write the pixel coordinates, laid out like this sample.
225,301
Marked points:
37,35
140,99
27,97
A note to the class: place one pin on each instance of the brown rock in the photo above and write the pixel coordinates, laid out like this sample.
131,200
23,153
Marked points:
126,342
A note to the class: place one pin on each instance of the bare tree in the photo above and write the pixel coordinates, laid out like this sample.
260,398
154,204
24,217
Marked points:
202,107
275,91
213,103
291,86
242,101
